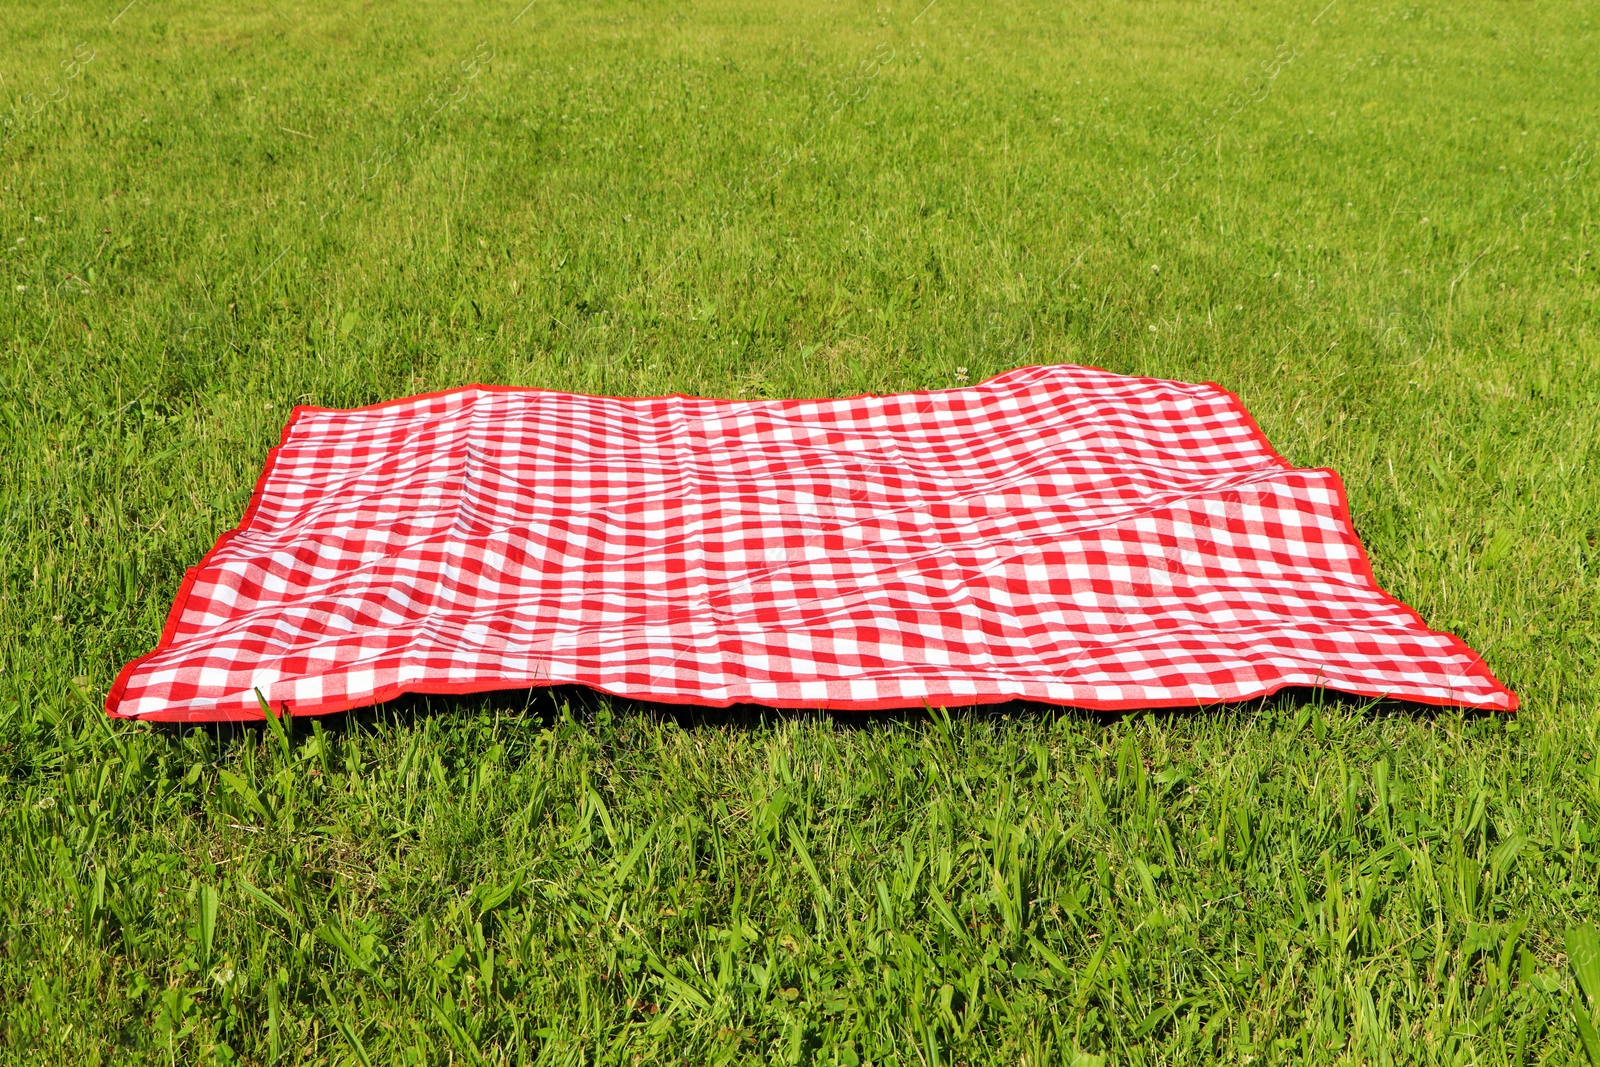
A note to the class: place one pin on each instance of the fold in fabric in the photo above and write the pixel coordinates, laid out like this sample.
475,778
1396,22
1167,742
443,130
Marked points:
1058,534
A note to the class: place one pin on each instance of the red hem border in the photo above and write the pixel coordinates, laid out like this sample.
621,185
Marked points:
169,629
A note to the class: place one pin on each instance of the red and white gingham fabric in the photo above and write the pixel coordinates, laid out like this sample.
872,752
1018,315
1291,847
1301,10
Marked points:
1057,534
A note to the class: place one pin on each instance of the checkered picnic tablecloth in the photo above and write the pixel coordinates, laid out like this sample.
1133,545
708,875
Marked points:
1058,534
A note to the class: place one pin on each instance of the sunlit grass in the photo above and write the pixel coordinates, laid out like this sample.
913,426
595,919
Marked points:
1377,224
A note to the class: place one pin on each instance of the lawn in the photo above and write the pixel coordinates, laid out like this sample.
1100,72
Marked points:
1375,222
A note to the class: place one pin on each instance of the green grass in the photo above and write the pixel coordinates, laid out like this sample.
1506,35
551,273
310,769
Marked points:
1377,225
